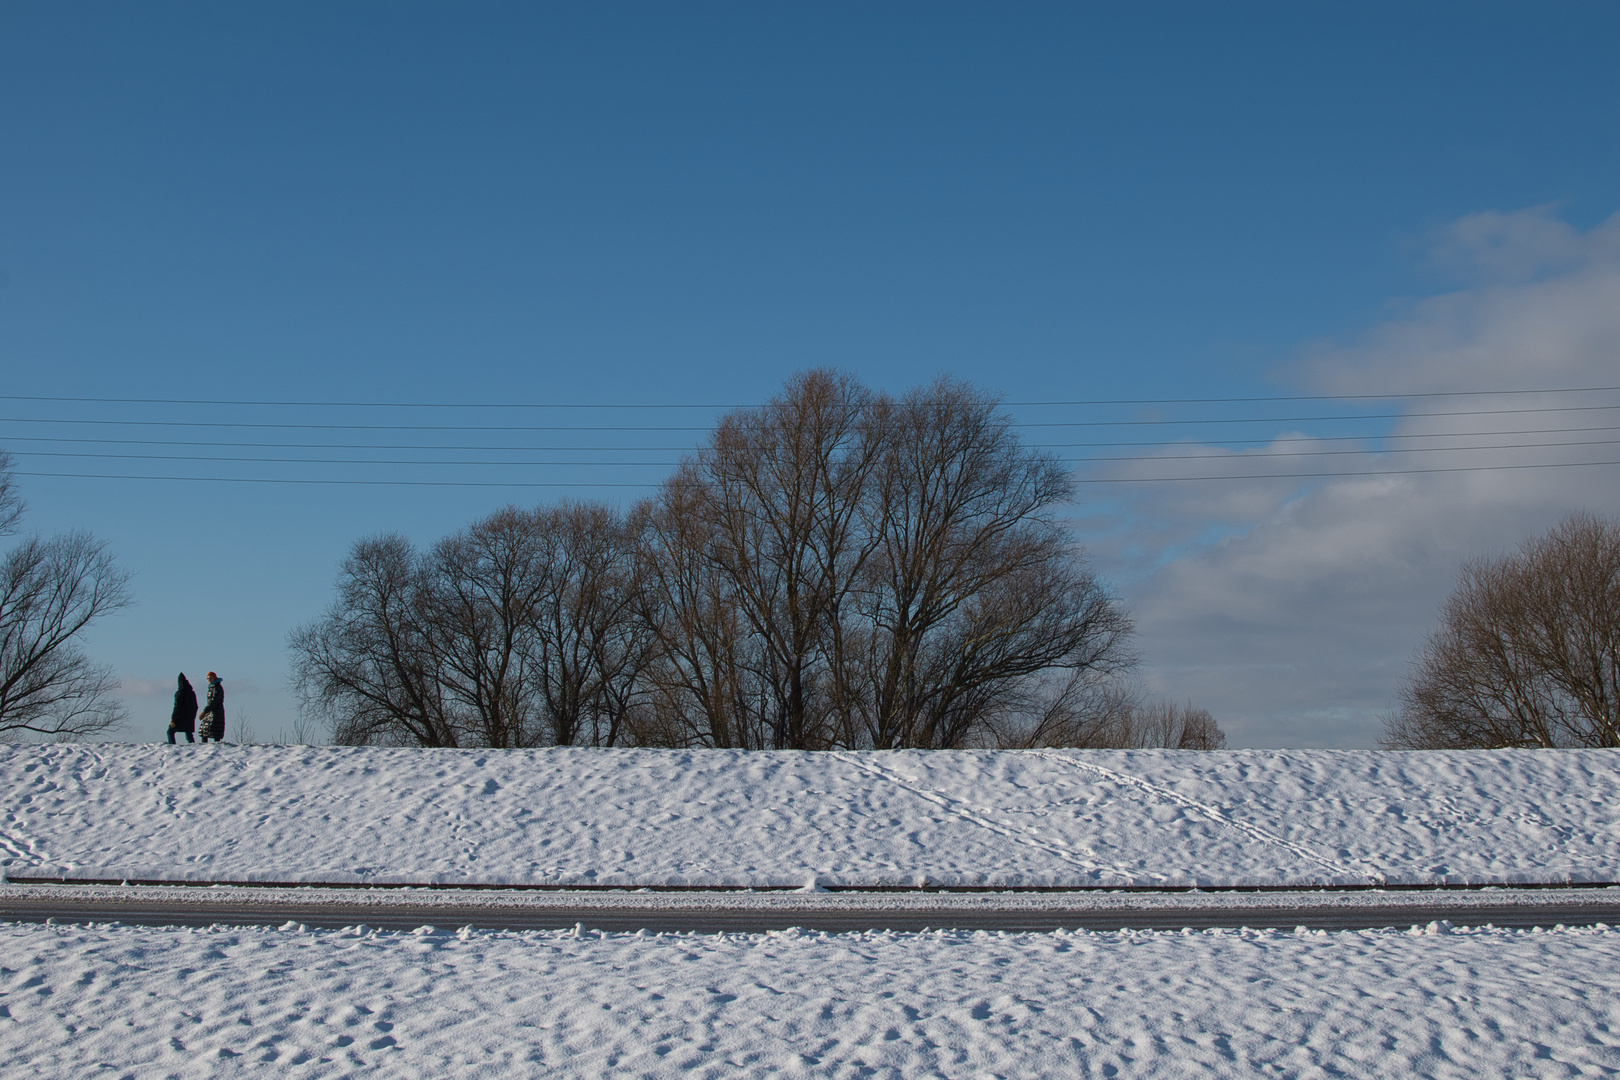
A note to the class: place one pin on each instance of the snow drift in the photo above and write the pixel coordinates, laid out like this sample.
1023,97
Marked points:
721,819
220,1002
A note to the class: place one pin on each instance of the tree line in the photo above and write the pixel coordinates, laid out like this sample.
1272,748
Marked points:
835,569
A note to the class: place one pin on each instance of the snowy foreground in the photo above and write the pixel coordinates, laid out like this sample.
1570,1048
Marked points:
629,818
121,1001
125,1001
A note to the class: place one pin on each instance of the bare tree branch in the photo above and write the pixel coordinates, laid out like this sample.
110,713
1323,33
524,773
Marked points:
50,593
838,569
11,503
1527,652
365,669
832,569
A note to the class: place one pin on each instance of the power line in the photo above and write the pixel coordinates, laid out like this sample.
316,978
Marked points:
1324,438
347,461
696,405
1319,397
1087,480
1333,453
413,446
346,483
1368,472
668,464
346,427
689,448
633,427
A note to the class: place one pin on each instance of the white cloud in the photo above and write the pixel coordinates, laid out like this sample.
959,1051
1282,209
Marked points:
1555,330
1290,608
1517,246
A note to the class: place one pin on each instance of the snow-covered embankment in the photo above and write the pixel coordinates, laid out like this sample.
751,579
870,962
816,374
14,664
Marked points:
629,818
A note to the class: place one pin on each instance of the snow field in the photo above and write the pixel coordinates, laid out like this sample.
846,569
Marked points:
709,818
120,1001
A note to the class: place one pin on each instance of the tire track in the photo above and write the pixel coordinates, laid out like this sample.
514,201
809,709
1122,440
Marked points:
1217,815
961,810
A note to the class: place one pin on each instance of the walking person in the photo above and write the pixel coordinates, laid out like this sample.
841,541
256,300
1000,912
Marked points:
213,713
184,717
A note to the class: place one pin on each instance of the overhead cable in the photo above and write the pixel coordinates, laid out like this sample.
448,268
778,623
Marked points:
203,458
712,406
1077,480
1306,476
632,427
689,448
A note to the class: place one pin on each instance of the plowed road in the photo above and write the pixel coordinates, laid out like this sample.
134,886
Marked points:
833,912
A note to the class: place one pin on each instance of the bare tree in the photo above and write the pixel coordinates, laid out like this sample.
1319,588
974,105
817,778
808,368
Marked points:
703,674
521,630
1073,709
366,668
592,645
974,589
1164,725
51,591
11,504
832,569
1108,715
839,569
769,518
482,589
787,484
1528,650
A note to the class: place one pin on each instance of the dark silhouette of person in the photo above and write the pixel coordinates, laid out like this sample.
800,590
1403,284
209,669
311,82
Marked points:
184,717
212,716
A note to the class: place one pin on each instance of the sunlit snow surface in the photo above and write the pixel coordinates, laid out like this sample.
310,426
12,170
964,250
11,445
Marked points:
718,818
124,1001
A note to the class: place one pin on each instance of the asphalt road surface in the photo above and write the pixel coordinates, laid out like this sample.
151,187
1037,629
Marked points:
731,913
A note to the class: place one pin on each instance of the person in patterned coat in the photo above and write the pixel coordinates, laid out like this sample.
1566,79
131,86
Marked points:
212,717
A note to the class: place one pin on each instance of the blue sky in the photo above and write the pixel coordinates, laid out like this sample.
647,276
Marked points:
655,204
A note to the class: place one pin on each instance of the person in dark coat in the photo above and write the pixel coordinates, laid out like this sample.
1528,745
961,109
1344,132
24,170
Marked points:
184,717
213,713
